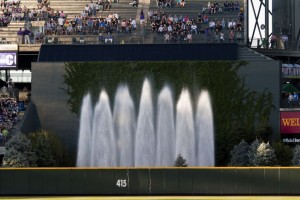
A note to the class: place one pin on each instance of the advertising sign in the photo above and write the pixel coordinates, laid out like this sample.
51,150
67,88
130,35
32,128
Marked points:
290,126
8,59
290,72
290,122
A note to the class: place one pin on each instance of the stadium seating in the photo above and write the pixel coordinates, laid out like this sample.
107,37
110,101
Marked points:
123,8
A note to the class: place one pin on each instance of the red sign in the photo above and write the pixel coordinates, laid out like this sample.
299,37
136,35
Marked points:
290,122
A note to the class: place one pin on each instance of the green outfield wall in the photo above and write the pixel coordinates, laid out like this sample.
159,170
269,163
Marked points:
150,181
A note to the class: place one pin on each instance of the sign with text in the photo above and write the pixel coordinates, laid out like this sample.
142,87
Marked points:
290,122
8,59
290,72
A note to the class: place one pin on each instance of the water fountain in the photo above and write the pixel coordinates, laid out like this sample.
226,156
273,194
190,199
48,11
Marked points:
185,133
154,138
85,128
124,126
165,129
145,133
103,149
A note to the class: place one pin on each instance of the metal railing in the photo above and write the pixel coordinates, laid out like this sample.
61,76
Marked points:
280,44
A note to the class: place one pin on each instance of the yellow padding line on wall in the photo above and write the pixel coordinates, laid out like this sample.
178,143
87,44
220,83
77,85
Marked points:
153,198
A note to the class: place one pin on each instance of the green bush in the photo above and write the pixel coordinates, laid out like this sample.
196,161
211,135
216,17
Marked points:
49,149
180,161
239,154
296,155
283,153
265,155
19,152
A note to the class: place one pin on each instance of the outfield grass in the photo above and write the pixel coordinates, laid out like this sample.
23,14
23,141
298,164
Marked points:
154,198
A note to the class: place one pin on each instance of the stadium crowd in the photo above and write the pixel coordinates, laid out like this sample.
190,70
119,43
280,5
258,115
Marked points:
180,27
8,116
87,23
9,109
176,28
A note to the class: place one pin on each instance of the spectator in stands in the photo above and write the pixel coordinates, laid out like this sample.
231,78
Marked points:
194,28
108,39
212,25
106,5
182,3
93,8
167,37
189,37
237,6
231,36
61,22
38,37
221,35
90,24
295,98
142,17
273,41
285,39
134,3
239,25
31,37
133,23
241,16
10,86
20,36
62,14
39,4
160,29
290,99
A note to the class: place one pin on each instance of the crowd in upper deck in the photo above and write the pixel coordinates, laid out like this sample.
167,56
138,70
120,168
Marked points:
88,22
178,27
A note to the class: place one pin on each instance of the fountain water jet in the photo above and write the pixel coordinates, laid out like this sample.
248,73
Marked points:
185,130
165,154
145,134
103,140
86,117
205,131
124,124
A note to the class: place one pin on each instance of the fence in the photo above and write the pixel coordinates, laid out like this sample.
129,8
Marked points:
150,181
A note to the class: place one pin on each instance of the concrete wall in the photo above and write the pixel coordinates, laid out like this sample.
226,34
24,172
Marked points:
297,17
51,102
30,122
151,181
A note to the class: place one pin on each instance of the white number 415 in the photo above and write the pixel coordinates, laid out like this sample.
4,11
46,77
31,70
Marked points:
121,183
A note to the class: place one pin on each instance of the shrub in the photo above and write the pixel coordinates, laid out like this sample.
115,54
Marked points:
180,161
19,152
239,154
50,150
265,155
296,156
283,153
